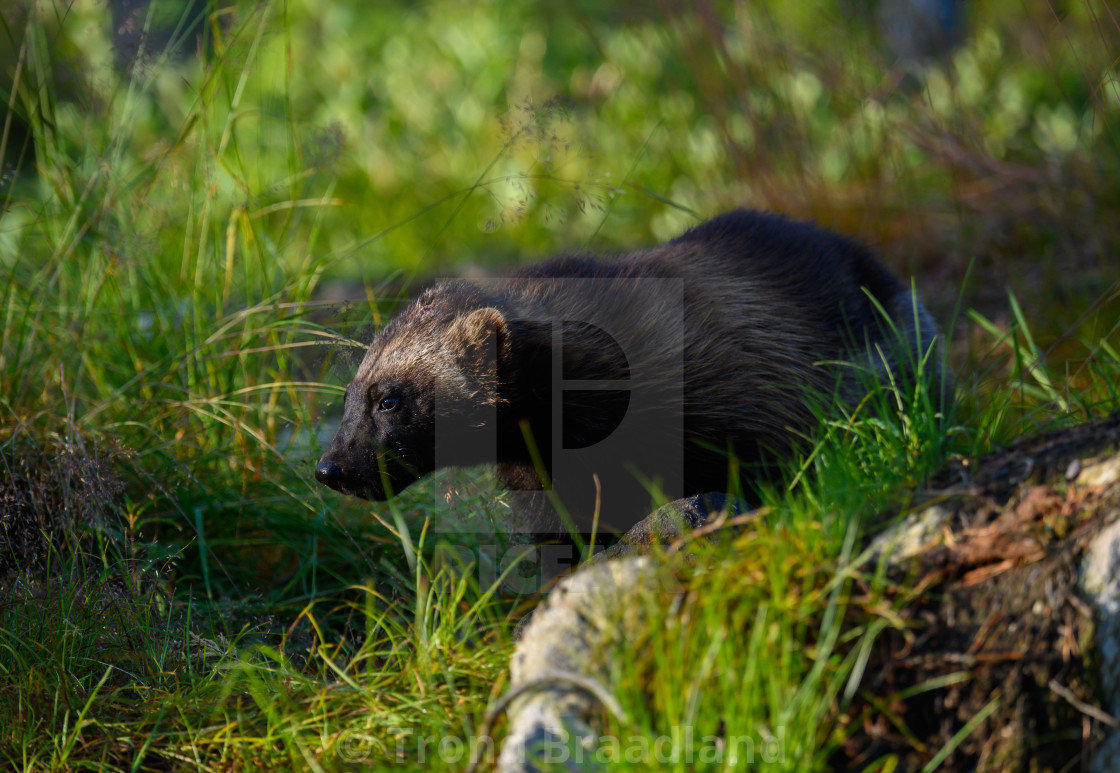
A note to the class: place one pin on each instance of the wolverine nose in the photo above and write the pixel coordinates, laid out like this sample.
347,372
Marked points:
329,474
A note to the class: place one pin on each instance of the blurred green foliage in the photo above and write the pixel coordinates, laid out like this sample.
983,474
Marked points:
436,133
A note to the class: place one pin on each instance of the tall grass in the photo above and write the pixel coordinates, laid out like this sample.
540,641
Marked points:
157,295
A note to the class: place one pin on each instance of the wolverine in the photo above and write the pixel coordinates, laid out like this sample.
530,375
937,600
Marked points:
599,386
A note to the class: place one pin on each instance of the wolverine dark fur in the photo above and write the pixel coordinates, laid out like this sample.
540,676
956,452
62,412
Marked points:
764,309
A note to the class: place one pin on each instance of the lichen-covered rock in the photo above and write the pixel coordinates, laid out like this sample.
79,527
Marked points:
556,674
910,537
1009,549
1100,582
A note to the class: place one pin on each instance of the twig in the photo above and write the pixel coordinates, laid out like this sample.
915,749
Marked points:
1082,706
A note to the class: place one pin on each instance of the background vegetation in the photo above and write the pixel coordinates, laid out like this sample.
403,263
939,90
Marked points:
203,205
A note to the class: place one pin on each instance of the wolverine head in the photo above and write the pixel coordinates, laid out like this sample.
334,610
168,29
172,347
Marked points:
423,396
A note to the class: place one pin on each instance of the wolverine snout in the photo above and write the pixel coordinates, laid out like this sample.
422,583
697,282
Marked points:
348,480
329,474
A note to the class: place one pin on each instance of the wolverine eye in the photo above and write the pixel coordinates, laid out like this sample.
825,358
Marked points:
390,403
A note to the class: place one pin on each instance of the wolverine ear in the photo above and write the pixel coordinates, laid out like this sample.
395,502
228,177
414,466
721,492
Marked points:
480,337
477,327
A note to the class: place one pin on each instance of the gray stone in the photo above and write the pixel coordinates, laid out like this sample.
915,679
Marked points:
1100,581
556,678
